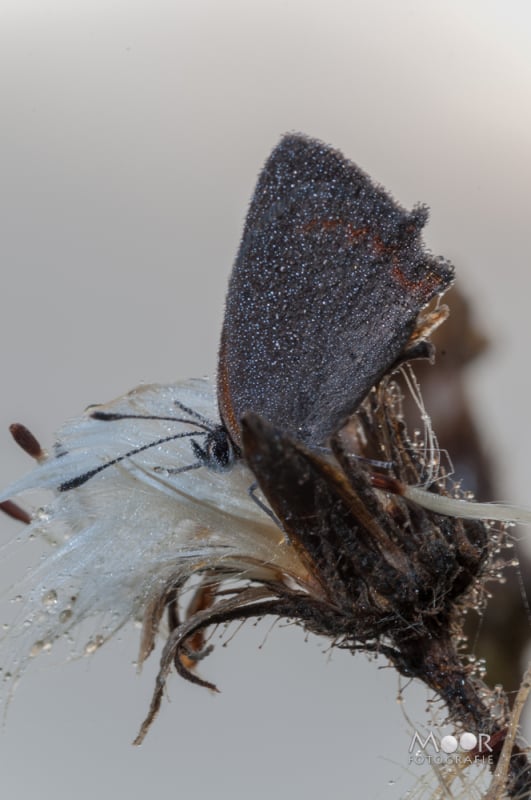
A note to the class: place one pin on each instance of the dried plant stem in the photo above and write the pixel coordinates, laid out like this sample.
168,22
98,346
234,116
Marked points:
504,767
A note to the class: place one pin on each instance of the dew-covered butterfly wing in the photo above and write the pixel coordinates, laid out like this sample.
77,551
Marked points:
327,286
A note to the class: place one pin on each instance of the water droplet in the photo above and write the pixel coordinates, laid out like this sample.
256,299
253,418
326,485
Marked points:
42,515
93,644
65,615
36,649
50,598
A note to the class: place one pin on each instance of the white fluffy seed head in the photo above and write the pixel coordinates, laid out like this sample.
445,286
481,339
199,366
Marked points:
136,524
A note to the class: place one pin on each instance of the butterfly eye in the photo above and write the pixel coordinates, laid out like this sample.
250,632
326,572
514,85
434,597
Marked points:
217,452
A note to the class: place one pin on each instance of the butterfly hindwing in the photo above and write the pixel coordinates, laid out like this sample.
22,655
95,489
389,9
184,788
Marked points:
326,289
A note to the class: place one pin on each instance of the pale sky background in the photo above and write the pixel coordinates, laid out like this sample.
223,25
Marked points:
131,136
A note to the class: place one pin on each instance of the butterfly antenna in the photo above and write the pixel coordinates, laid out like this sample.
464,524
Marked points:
106,416
73,483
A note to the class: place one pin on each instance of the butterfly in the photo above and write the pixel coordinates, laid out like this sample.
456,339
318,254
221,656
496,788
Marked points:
291,487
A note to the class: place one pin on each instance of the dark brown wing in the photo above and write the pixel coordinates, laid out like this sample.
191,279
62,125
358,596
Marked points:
328,283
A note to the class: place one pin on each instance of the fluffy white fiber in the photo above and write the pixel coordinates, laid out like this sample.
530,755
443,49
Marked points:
123,533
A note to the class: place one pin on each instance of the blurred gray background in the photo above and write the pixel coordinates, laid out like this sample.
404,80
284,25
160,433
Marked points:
131,136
